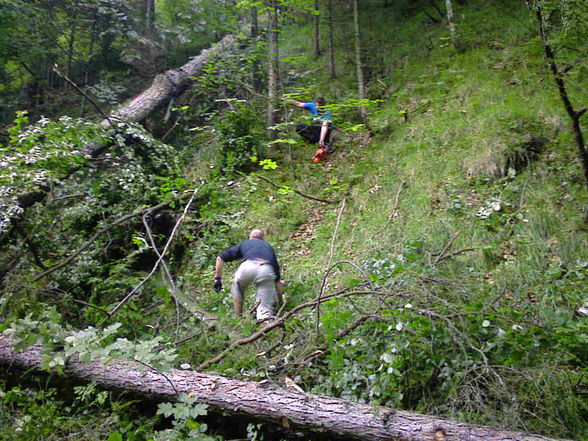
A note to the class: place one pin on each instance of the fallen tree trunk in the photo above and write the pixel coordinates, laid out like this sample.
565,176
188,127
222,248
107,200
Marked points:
170,84
164,87
342,419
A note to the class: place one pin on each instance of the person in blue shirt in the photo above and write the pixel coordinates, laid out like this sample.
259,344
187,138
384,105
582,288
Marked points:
319,131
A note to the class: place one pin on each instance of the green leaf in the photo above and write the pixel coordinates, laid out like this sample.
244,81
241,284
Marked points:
268,164
115,436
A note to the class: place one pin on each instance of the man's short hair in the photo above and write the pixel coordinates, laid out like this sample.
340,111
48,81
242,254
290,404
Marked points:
320,101
256,233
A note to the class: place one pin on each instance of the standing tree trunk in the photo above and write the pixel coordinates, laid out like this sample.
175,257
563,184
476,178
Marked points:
149,15
272,72
72,41
317,31
558,76
90,53
332,71
256,74
337,418
358,61
451,22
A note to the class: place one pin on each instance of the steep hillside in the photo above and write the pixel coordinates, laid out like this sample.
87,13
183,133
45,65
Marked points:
464,210
452,219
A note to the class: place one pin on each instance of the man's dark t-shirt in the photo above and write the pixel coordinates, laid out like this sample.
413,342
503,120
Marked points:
250,250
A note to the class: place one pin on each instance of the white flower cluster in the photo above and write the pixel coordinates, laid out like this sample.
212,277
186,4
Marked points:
9,207
492,206
22,168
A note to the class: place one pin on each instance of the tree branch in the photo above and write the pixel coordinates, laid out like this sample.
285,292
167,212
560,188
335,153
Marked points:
97,235
277,323
324,201
447,246
167,274
58,71
162,255
394,212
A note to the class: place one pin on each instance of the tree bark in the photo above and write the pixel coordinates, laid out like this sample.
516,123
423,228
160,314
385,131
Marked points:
358,61
256,72
72,41
317,30
272,73
338,418
451,22
149,14
87,69
332,70
170,84
164,88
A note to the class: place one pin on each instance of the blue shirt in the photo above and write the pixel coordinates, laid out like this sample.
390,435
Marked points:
321,115
252,249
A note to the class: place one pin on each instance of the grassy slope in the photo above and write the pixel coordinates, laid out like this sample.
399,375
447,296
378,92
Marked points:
526,264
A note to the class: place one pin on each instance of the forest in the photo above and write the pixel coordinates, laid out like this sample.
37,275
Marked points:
418,167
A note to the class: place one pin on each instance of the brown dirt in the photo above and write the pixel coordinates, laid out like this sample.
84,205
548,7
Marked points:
306,232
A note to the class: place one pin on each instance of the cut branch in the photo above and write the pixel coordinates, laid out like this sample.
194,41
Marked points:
58,71
101,232
337,418
446,248
278,323
161,256
325,201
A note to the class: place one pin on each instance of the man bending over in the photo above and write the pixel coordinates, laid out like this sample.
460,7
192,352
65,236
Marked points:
259,267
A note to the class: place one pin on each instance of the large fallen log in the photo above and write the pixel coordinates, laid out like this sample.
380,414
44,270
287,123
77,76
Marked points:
343,420
164,87
171,84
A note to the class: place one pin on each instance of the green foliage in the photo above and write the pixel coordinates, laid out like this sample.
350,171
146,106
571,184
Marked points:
268,164
90,344
35,36
27,414
88,197
237,133
467,241
184,413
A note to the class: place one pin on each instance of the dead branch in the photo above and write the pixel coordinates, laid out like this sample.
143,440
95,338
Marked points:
394,212
324,201
457,253
166,273
319,352
101,232
151,368
334,237
277,323
275,345
58,71
162,255
447,246
324,284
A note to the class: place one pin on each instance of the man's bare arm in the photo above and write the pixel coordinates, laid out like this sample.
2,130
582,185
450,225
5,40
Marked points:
324,130
296,103
218,269
280,290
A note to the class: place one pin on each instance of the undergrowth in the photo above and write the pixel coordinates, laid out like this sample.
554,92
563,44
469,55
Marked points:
455,218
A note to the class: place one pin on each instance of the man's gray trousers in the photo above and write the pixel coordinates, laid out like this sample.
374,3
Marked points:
262,275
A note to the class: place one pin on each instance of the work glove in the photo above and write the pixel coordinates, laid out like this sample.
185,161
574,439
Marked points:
218,284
